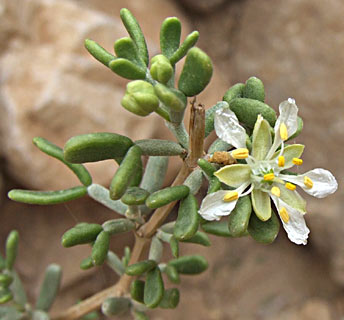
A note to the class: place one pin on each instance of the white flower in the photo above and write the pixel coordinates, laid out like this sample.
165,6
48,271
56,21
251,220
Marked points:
262,176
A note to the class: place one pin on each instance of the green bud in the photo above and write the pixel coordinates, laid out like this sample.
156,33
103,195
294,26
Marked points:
140,98
85,233
264,231
11,248
96,147
137,290
254,89
165,196
171,98
49,288
118,226
188,219
196,73
161,69
239,218
170,299
172,274
100,248
141,267
193,264
217,228
154,288
233,92
115,306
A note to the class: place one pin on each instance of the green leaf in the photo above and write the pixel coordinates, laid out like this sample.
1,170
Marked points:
5,295
154,175
100,248
115,306
196,73
99,52
5,280
234,175
233,92
127,69
154,288
47,197
135,33
261,139
194,181
155,250
261,204
141,267
188,43
10,313
81,234
125,173
247,111
214,185
115,263
254,89
165,196
126,48
170,36
199,238
264,231
170,299
56,152
172,274
174,244
18,290
188,219
137,288
87,263
239,218
49,288
208,168
96,147
193,264
157,147
219,145
116,226
138,315
11,248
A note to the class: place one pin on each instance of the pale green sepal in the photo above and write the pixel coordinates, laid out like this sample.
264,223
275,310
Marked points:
234,175
290,152
293,199
261,204
261,140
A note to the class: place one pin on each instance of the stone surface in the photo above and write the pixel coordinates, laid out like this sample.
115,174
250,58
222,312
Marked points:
51,87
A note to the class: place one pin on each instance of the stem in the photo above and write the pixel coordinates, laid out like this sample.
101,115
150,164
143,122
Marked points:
179,132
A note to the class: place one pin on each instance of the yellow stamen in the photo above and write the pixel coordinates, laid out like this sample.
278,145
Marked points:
275,191
269,177
297,161
284,214
241,153
281,161
231,196
290,186
283,131
308,182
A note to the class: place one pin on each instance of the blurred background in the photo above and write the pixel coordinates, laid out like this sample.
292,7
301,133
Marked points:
51,87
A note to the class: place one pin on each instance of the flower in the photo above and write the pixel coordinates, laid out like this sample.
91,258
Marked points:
263,172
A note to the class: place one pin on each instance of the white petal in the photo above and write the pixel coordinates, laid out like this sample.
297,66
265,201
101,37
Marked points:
324,183
288,115
228,129
296,227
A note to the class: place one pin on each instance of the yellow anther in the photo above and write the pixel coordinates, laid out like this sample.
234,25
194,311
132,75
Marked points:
241,153
290,186
281,161
297,161
269,177
275,191
284,215
283,131
308,182
231,196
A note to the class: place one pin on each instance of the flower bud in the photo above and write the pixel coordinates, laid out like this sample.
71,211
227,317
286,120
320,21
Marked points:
161,69
140,98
